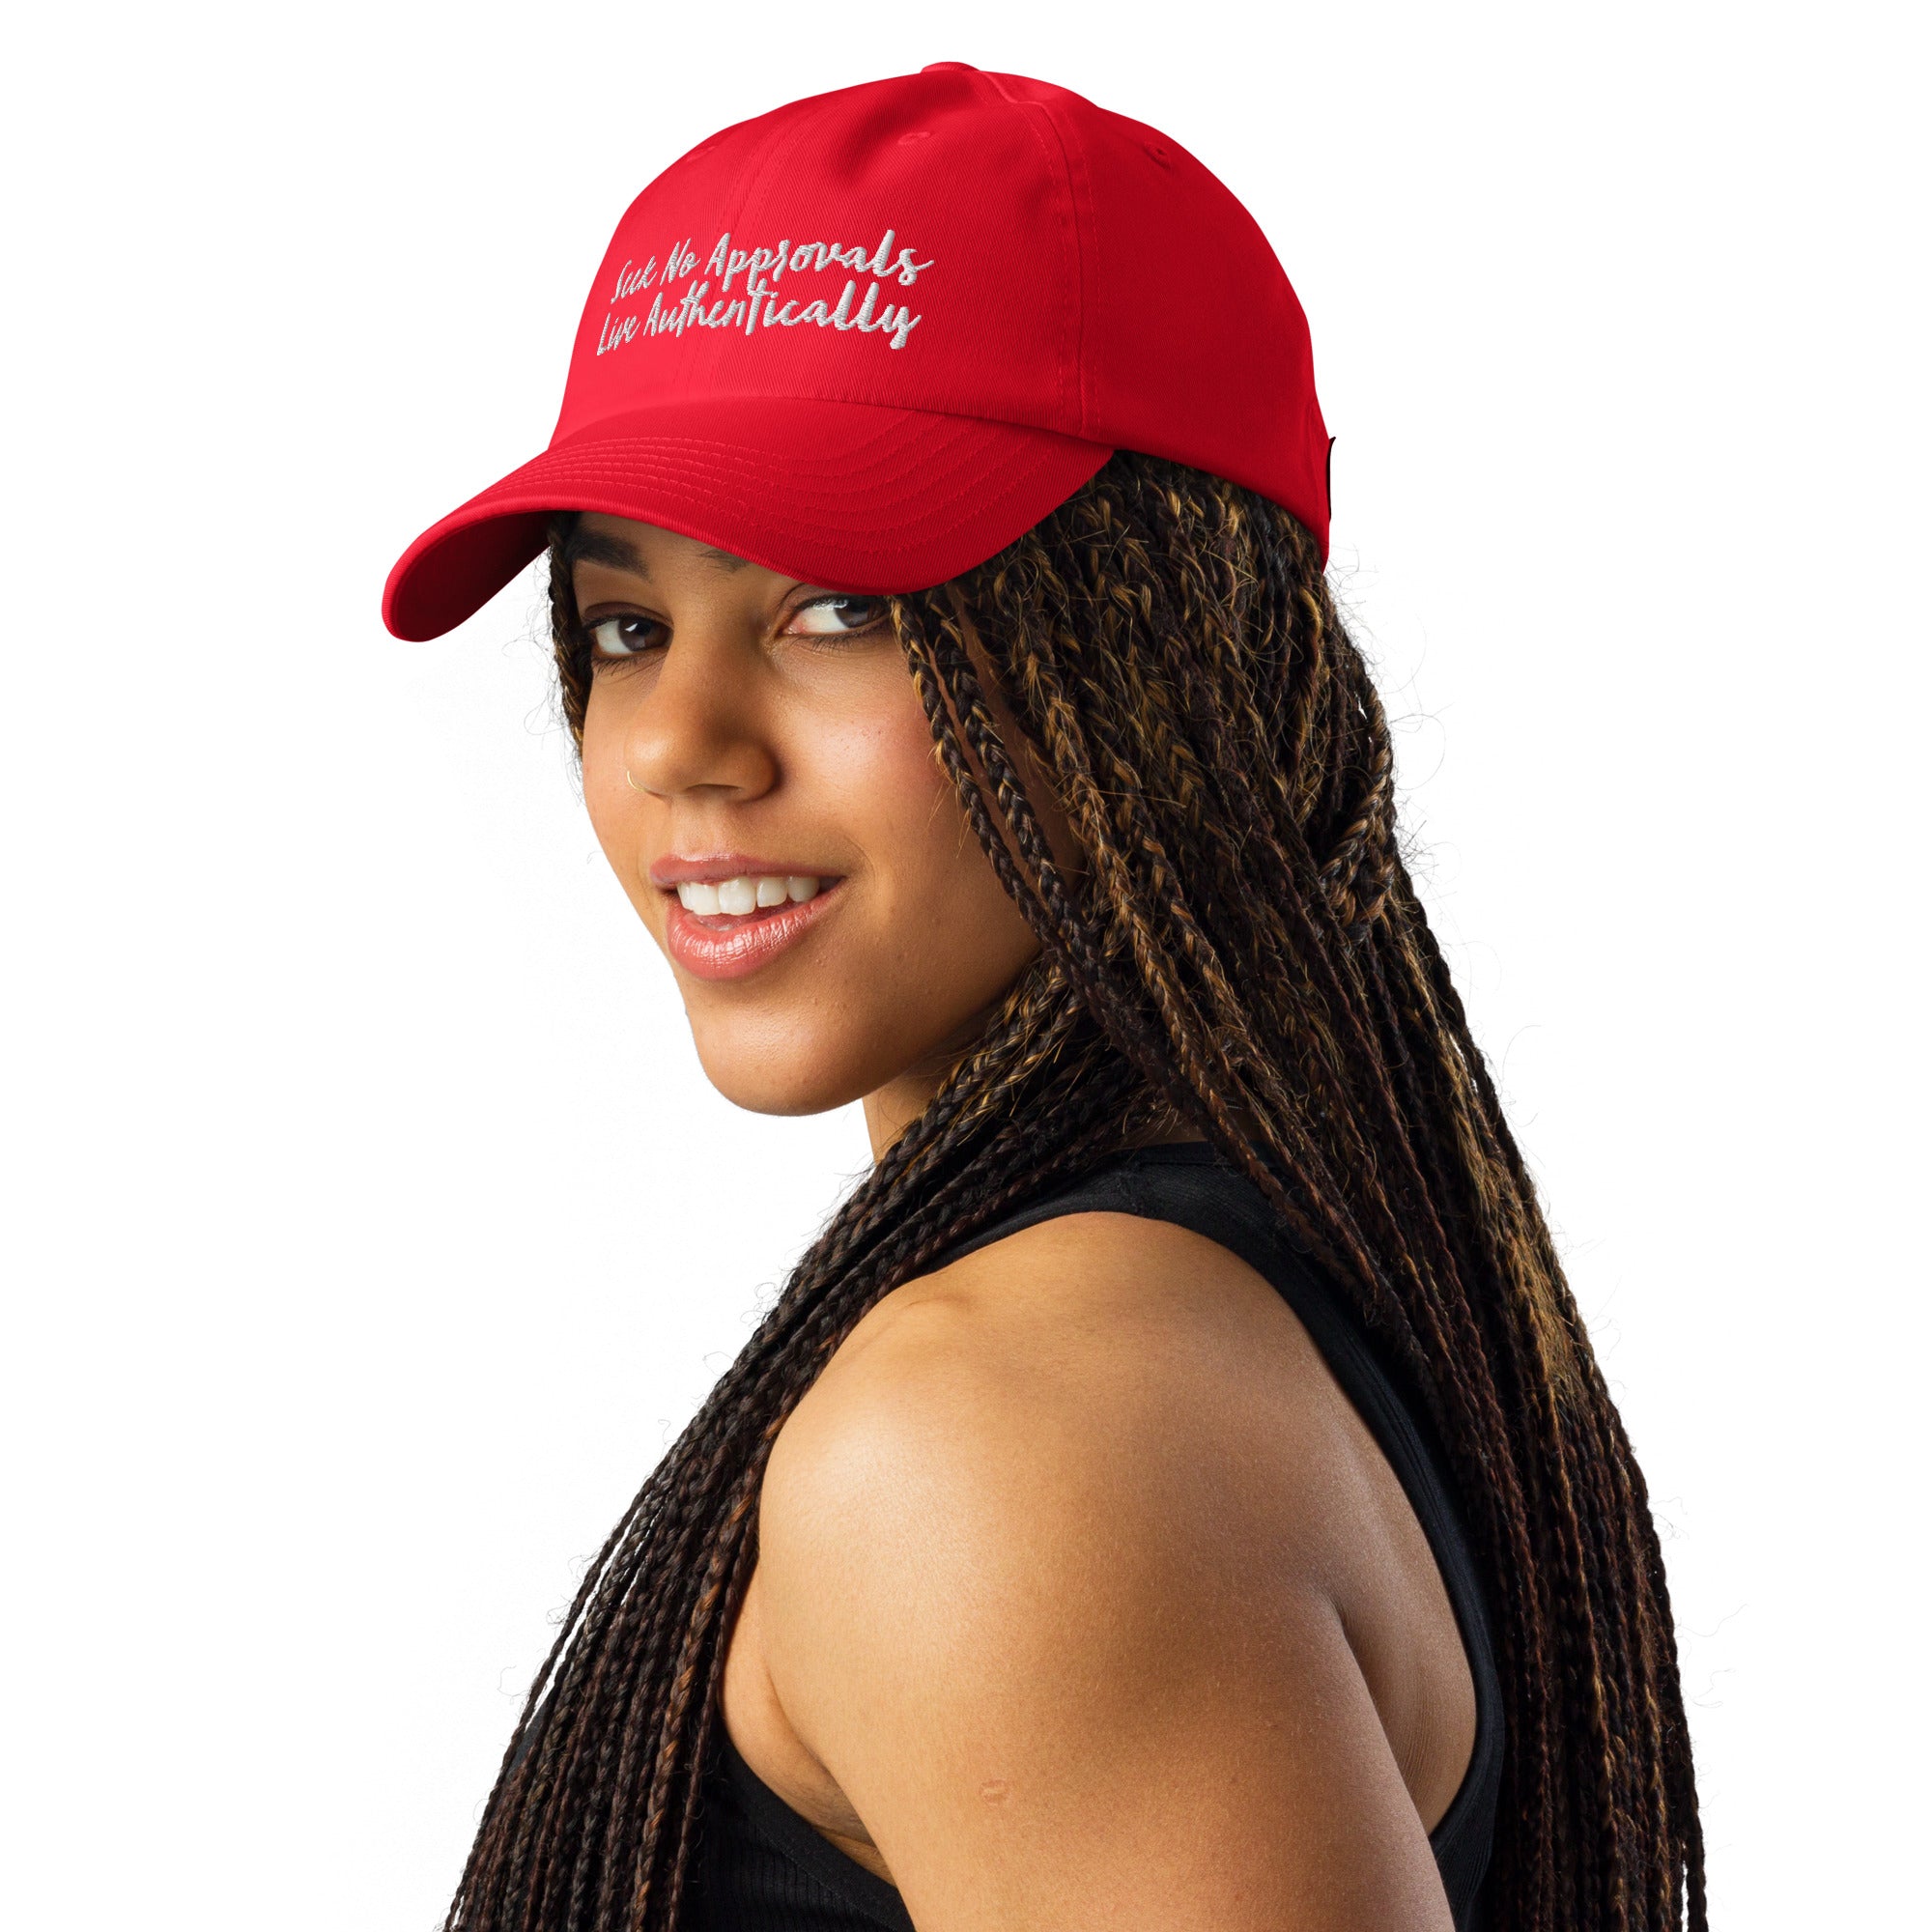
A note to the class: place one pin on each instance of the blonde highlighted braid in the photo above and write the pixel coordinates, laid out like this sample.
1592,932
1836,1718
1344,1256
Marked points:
1242,949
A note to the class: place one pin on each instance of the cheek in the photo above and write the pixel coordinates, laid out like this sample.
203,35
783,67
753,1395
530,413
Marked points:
929,937
898,805
946,934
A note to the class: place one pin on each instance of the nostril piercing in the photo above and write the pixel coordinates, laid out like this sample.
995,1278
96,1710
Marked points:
629,780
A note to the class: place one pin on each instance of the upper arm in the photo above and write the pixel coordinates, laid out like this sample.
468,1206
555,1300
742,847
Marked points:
1068,1653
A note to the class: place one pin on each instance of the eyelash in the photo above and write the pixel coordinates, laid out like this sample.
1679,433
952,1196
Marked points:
816,640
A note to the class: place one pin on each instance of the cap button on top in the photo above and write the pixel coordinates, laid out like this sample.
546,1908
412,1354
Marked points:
949,67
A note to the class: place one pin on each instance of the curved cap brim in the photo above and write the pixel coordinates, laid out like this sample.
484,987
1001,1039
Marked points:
843,496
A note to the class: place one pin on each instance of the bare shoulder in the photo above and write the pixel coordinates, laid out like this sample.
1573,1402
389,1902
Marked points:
1092,1355
1053,1560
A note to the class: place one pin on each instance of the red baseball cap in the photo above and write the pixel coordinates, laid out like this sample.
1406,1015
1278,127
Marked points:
871,337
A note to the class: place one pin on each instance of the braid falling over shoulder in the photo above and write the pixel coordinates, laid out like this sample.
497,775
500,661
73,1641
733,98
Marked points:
1244,949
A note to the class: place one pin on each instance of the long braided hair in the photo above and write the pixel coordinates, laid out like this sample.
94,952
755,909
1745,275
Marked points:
1242,950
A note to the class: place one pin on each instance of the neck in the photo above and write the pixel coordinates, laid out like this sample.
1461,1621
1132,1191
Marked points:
892,1108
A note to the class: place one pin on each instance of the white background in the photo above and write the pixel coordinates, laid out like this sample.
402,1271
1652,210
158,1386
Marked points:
371,1227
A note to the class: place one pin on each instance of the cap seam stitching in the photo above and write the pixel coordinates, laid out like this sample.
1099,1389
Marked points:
1085,236
1071,380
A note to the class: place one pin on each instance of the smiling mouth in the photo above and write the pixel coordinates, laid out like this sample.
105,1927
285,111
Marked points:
749,894
709,938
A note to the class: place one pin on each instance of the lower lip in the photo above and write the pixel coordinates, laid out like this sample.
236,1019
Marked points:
719,947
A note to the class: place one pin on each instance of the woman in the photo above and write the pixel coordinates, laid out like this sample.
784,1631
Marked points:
1176,1490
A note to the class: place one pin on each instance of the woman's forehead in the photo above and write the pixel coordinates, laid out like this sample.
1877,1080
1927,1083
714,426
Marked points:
644,549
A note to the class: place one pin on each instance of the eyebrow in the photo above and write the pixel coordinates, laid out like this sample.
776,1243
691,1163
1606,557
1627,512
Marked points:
587,545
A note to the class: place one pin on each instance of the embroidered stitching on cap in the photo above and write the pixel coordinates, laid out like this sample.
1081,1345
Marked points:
757,304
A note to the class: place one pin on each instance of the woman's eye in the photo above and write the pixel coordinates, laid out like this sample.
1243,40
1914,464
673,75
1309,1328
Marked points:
837,616
624,636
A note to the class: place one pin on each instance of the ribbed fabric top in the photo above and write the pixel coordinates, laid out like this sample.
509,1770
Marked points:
760,1868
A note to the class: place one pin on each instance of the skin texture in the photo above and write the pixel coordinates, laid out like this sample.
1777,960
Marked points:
742,730
1083,1597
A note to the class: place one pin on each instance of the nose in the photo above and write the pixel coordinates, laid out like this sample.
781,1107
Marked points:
696,728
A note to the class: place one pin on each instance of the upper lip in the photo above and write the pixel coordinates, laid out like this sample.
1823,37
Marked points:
675,870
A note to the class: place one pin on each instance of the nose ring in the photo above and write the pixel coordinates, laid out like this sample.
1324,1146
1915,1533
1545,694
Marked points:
629,780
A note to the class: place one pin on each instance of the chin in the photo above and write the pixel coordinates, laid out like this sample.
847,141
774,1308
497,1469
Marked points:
786,1083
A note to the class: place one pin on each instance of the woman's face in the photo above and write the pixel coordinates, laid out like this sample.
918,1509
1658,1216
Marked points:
762,780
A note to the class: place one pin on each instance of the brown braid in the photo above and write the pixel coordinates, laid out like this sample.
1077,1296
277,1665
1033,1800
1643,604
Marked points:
1244,950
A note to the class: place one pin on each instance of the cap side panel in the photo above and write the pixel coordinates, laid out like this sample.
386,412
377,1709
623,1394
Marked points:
1181,261
1080,180
1076,227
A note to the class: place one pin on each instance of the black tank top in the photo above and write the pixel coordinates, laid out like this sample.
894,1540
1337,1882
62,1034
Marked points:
760,1868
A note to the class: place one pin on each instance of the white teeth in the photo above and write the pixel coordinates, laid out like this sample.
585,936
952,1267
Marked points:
746,893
